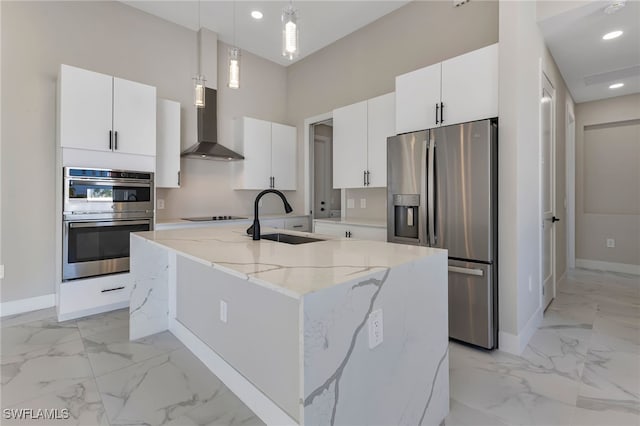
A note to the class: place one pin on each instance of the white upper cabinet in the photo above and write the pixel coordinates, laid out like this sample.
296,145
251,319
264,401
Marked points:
381,111
350,146
85,109
470,86
101,113
134,117
417,94
283,157
360,133
458,90
168,144
269,150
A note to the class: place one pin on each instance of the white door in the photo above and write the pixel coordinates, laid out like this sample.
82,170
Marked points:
85,109
470,86
547,134
134,117
284,161
381,125
350,145
417,94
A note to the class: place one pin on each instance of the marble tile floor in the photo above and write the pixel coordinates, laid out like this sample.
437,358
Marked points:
582,367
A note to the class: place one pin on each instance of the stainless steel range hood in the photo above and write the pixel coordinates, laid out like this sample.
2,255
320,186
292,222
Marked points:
207,147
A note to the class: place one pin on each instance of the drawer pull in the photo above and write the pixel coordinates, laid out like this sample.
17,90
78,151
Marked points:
466,271
297,226
112,289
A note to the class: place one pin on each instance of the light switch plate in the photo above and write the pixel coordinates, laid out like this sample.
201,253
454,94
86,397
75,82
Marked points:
1,272
611,243
223,311
351,203
375,328
160,204
363,203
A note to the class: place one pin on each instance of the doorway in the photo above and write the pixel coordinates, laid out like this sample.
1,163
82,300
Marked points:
326,200
547,135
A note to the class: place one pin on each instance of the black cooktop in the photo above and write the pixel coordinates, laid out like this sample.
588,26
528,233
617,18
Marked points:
210,218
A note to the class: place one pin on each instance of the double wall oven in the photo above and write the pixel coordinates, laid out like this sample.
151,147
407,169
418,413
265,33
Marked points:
101,207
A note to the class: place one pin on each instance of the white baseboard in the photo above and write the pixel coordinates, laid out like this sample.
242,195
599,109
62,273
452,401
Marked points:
92,311
598,265
21,306
258,402
515,344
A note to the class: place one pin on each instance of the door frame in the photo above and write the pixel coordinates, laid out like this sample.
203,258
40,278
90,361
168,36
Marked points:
308,158
570,167
552,168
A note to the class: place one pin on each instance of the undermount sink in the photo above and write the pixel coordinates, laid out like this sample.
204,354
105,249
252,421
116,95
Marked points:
289,239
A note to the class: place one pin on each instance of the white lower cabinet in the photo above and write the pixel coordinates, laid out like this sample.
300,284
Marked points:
301,224
360,232
80,298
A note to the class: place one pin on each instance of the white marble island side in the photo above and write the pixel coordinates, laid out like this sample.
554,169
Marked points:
295,346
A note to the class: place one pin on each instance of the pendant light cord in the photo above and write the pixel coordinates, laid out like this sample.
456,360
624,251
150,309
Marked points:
198,36
234,24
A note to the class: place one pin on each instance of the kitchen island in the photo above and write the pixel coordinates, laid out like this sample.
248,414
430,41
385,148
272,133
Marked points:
339,331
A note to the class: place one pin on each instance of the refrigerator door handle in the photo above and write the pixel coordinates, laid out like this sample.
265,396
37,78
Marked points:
466,271
430,193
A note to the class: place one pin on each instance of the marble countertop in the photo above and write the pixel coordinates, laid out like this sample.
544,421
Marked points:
294,270
378,223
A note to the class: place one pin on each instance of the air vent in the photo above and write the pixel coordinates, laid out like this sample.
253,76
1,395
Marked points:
615,75
458,3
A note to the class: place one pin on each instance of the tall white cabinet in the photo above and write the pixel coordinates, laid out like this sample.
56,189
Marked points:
360,134
458,90
99,112
168,144
270,156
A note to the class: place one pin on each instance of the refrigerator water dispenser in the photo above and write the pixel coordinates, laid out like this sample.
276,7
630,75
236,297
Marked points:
406,216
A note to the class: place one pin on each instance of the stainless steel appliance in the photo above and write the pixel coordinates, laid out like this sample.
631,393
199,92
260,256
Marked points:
101,208
442,192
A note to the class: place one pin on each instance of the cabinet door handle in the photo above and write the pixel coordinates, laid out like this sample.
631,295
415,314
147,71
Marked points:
441,113
368,178
437,108
178,178
115,144
110,139
111,289
364,178
345,234
297,226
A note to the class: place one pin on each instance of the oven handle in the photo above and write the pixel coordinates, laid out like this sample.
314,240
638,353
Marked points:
110,223
136,184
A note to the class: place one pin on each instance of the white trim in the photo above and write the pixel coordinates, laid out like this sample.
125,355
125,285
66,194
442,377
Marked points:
258,402
308,193
27,305
92,311
515,344
570,200
598,265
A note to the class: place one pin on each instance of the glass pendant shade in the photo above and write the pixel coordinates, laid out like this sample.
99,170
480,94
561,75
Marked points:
234,68
290,48
198,91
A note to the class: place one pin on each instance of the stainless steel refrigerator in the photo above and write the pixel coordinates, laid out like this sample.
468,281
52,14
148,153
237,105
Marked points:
442,191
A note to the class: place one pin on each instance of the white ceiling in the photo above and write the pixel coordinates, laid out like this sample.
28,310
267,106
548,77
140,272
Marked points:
588,63
320,22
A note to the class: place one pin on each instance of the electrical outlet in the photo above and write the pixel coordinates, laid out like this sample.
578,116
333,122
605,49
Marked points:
223,311
611,243
375,328
1,272
160,204
363,203
530,284
351,203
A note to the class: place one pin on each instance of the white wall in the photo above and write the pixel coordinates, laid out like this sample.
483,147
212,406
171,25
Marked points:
599,217
115,39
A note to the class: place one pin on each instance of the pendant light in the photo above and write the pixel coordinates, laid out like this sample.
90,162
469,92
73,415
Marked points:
199,80
290,47
234,58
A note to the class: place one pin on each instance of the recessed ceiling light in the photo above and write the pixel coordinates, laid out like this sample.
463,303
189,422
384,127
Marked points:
616,86
614,6
256,14
612,35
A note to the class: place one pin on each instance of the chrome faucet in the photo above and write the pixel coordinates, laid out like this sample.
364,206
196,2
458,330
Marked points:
254,229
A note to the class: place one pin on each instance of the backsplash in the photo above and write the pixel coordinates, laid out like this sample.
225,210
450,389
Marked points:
373,207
